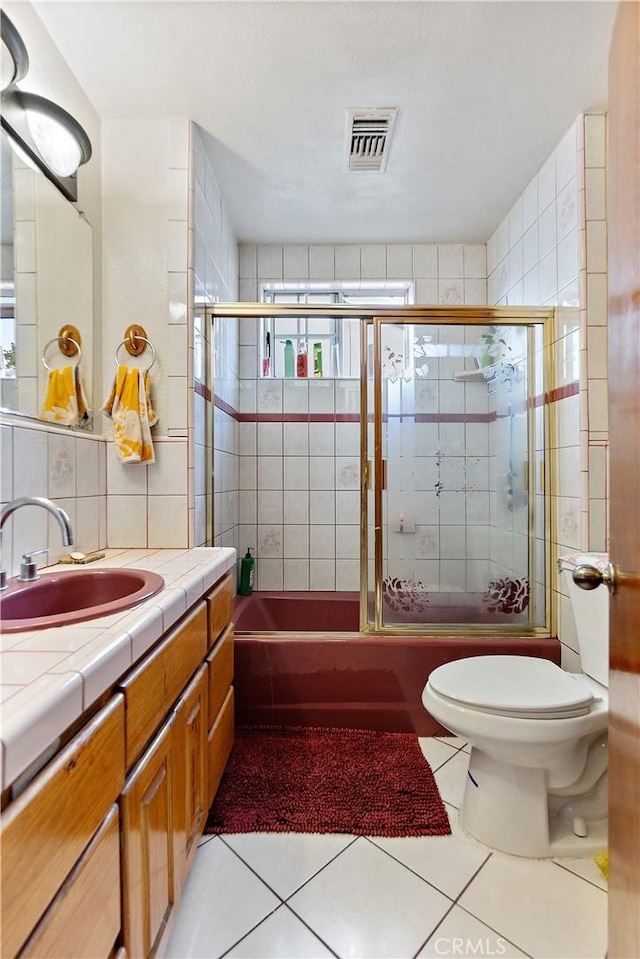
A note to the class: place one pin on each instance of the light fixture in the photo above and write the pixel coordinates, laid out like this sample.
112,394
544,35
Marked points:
16,65
43,130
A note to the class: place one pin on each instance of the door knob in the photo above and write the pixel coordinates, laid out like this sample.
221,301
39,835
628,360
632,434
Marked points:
590,577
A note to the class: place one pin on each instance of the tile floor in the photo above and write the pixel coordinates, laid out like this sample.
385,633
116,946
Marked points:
292,895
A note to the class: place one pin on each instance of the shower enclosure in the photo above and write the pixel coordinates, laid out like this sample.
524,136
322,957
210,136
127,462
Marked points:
450,492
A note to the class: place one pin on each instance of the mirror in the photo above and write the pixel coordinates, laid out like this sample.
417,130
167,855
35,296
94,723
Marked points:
47,283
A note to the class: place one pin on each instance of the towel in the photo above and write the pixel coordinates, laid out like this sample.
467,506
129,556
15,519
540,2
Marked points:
129,406
65,401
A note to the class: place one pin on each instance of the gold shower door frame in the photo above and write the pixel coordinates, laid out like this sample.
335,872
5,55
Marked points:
371,467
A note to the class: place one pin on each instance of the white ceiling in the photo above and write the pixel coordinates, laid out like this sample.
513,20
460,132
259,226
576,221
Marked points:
485,90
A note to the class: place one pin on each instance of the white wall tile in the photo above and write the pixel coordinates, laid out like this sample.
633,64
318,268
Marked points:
296,262
347,262
270,262
248,261
127,521
321,263
399,261
450,261
373,262
167,475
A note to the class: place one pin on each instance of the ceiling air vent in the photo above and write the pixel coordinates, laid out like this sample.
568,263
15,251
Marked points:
369,138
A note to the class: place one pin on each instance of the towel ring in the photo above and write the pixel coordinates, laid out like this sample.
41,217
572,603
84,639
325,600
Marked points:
145,340
61,339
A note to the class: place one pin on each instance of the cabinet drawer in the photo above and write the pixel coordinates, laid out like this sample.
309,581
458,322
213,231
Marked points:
220,672
152,688
220,607
83,921
46,829
219,744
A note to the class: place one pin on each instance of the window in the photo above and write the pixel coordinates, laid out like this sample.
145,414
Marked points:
338,337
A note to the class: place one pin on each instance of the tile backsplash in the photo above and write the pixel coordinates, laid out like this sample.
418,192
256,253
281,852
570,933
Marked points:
68,468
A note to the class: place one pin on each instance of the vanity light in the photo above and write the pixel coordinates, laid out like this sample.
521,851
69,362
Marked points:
16,65
40,128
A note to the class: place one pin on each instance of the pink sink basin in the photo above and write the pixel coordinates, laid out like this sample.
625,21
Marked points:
57,599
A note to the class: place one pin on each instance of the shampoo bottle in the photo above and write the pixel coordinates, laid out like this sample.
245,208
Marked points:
246,574
302,367
289,359
317,359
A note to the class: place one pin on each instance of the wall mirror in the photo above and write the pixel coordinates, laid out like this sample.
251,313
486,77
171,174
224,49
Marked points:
47,283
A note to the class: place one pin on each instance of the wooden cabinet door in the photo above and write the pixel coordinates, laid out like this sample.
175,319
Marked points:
149,877
191,754
83,921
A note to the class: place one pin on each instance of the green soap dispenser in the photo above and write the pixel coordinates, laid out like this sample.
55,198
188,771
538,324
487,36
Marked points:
246,574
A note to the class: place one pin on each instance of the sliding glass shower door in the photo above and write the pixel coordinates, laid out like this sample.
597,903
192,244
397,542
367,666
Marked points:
454,516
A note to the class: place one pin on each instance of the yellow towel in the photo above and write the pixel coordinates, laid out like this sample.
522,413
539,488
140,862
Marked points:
129,406
602,861
65,401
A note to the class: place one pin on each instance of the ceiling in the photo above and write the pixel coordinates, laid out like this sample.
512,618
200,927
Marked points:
485,90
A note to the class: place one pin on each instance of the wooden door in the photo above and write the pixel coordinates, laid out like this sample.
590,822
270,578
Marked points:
191,767
149,876
624,431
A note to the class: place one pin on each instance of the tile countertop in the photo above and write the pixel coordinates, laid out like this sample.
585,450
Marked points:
51,676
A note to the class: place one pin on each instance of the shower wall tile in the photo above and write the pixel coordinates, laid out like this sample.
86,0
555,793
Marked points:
269,574
322,574
296,575
373,262
564,263
320,460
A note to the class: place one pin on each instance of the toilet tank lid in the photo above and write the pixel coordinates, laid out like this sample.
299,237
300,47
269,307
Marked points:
572,560
511,684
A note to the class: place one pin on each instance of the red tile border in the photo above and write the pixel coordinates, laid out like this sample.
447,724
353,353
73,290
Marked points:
560,393
203,390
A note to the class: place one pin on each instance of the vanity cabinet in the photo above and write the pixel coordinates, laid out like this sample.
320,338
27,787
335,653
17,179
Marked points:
96,850
169,735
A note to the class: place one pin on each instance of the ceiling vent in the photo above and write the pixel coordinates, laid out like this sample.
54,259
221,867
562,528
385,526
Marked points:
369,138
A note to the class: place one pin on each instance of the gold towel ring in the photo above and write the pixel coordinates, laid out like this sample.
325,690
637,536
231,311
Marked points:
126,342
64,341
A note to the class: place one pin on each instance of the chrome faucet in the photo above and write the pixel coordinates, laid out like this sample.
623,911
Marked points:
28,569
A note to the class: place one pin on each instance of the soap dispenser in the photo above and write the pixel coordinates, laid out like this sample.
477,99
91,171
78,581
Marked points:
246,574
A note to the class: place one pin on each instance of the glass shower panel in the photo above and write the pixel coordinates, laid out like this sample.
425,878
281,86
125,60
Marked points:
456,464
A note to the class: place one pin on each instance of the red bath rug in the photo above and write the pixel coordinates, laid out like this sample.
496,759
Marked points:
311,779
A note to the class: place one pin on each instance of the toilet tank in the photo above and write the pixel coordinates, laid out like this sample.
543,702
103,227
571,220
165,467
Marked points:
591,615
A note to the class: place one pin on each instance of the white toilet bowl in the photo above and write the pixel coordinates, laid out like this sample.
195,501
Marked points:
537,778
526,772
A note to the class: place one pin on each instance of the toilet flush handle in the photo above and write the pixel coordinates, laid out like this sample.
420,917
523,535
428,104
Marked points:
590,577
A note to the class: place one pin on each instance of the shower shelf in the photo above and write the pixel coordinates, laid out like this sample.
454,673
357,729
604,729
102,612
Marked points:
469,376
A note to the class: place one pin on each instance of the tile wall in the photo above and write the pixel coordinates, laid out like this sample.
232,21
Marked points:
145,168
69,468
550,250
299,440
215,358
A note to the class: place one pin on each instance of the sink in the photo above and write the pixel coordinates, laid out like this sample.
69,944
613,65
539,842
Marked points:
57,599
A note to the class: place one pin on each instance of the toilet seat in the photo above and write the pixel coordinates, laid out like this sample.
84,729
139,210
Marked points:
523,687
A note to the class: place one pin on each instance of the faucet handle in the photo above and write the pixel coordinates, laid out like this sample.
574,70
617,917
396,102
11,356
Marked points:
28,568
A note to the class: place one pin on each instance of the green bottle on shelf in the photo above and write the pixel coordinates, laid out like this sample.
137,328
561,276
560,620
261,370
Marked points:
289,359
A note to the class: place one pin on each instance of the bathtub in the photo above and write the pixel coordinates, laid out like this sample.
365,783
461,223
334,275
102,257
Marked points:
300,660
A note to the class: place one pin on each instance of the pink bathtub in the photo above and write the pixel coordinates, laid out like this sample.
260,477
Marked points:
299,659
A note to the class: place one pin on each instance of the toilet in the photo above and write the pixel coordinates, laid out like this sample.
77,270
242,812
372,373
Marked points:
537,779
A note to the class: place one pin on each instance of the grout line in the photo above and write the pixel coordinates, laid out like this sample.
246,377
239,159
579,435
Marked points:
604,889
311,930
